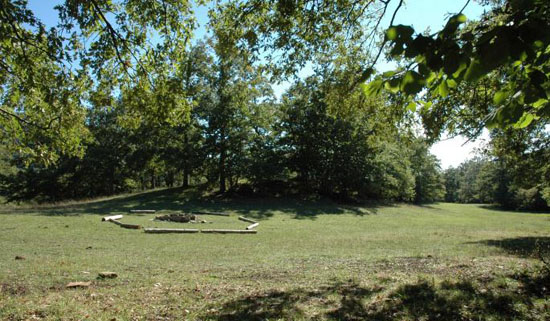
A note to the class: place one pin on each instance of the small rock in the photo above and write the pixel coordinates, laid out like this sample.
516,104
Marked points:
19,257
107,275
73,285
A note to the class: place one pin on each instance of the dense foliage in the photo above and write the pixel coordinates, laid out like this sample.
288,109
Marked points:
118,96
238,136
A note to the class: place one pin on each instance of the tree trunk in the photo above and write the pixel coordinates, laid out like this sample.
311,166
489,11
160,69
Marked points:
186,162
222,172
170,178
222,162
185,177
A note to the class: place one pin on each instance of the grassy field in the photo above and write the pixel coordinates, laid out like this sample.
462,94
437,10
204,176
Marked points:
310,260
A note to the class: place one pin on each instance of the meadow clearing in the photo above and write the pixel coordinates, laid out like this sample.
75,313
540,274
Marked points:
311,259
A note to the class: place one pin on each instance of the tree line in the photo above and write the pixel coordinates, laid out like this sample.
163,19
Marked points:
119,96
238,137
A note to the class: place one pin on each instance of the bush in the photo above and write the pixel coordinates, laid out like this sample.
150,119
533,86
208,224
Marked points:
529,199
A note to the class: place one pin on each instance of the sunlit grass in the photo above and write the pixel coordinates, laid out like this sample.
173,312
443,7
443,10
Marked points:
302,247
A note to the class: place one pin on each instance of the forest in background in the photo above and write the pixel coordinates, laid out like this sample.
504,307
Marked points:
97,106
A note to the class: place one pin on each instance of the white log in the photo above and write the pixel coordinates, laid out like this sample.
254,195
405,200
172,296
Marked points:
210,213
242,218
112,218
170,230
72,285
249,227
128,226
230,231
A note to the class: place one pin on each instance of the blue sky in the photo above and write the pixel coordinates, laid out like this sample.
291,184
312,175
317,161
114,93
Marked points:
421,14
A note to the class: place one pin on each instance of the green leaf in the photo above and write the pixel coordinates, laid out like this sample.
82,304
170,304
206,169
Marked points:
393,85
418,46
389,74
461,18
451,83
391,33
451,60
411,106
497,51
454,22
443,89
460,69
539,103
524,121
427,105
404,33
373,88
423,69
412,83
500,96
431,77
397,50
475,71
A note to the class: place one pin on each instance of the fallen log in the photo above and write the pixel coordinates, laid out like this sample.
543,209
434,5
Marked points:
180,218
130,226
142,211
72,285
210,213
242,218
107,275
112,218
170,230
124,225
230,231
249,227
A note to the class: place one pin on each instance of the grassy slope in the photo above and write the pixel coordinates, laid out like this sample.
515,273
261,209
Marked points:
309,260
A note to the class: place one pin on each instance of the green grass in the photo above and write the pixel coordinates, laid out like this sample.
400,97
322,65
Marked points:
310,260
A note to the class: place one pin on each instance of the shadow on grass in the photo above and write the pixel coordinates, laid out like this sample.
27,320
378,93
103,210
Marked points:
289,305
528,246
494,207
448,300
195,199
